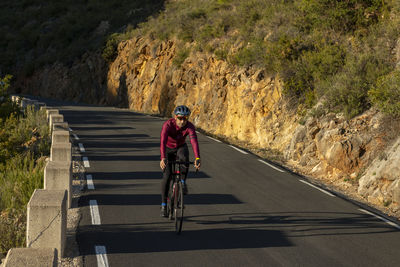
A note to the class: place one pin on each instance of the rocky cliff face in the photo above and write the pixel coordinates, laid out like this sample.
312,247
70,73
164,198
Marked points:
229,102
243,106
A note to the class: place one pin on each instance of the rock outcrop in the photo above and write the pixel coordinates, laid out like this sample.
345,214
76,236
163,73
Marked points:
227,101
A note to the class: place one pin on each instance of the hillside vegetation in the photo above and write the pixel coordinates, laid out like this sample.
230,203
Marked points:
35,33
24,146
338,52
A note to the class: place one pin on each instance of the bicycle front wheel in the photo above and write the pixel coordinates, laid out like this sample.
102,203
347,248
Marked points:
171,201
179,207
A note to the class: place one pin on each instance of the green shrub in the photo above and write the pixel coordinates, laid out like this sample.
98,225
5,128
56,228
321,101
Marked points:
253,53
181,56
24,146
12,231
386,94
110,50
19,134
342,16
7,107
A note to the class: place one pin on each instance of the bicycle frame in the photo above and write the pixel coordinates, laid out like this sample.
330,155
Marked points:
175,204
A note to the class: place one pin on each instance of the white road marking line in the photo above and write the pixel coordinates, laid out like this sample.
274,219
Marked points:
316,187
197,132
380,218
81,147
272,166
70,129
86,162
94,211
101,255
241,151
89,179
75,136
216,140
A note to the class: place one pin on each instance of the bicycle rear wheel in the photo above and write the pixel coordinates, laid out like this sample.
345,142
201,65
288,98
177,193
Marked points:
179,209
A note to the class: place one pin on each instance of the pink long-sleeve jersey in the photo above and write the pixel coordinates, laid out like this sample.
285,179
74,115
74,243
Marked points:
172,136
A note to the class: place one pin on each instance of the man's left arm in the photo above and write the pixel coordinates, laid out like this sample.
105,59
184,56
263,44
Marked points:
195,145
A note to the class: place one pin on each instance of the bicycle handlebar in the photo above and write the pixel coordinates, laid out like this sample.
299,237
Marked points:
180,162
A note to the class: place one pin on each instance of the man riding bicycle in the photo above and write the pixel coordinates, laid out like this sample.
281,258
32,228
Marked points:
173,147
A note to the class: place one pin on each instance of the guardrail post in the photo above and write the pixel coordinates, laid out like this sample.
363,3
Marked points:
55,118
51,111
61,152
47,220
58,176
60,126
60,136
31,257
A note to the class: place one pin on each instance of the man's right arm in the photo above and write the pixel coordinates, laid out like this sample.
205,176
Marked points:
163,140
163,144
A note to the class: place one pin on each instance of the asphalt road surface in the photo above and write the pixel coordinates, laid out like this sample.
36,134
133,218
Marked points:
240,211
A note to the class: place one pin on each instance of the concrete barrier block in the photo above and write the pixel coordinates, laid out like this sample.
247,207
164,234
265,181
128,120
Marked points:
61,136
58,176
55,118
61,152
31,257
47,220
60,126
50,111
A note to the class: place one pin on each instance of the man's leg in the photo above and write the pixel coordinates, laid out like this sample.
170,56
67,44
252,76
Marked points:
166,180
183,155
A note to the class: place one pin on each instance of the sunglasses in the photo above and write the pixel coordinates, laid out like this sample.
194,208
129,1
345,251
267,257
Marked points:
182,118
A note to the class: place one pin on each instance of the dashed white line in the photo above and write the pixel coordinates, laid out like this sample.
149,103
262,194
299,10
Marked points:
81,147
216,140
75,136
86,162
94,212
380,218
270,165
316,187
241,151
101,255
70,129
89,179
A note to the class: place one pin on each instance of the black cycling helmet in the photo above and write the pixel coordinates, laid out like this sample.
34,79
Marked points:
182,110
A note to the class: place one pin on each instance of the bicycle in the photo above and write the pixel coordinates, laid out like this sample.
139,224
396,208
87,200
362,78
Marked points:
175,206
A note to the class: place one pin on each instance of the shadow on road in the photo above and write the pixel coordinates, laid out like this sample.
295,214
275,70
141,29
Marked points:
101,128
113,136
122,239
157,175
301,224
154,199
117,143
124,158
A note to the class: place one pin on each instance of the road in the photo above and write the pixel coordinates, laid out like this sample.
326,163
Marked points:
240,210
